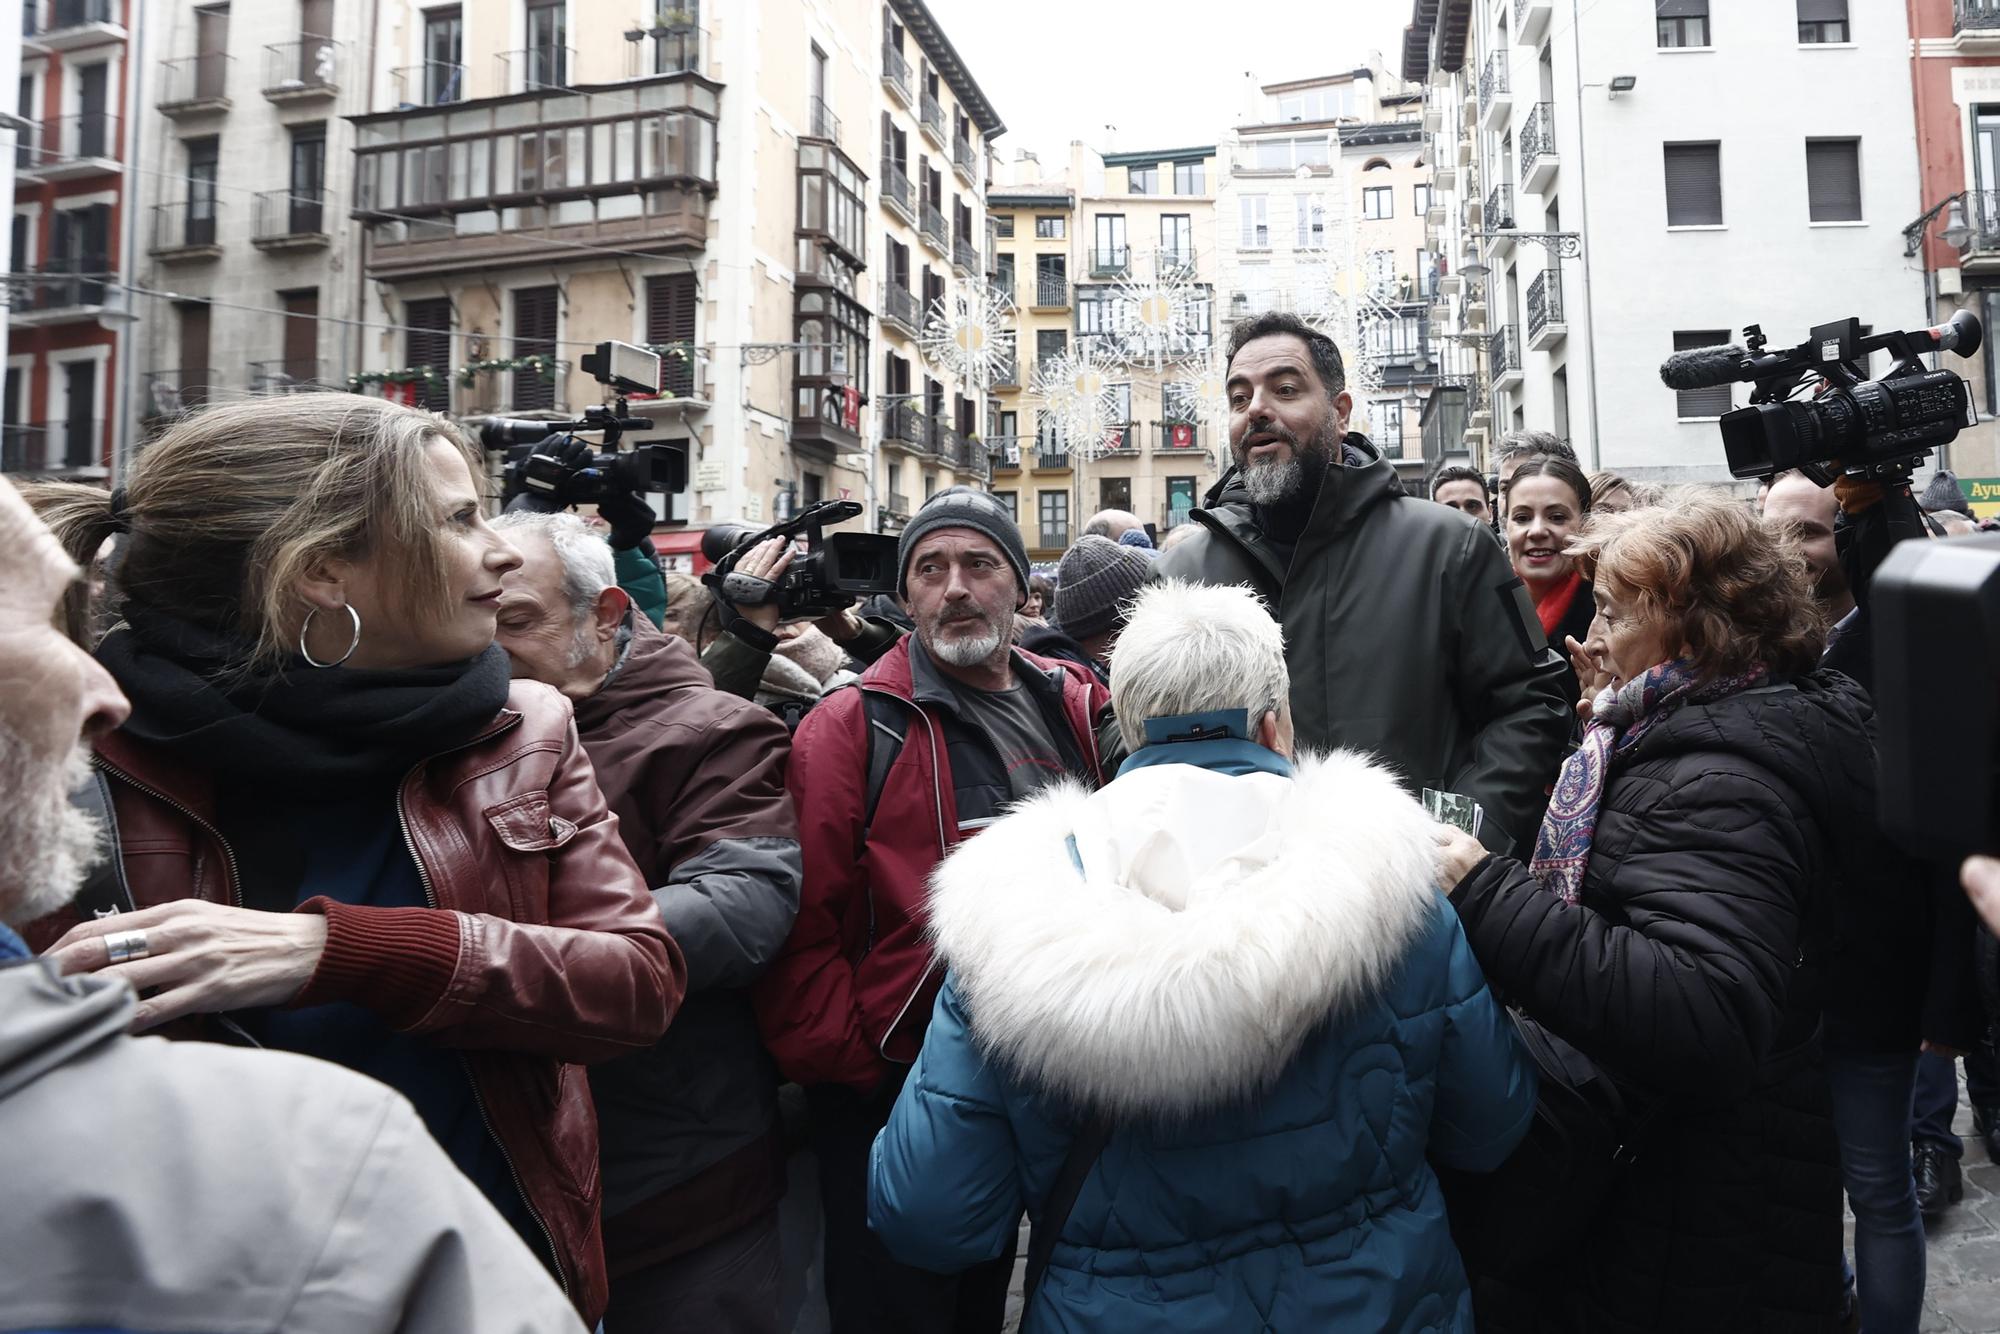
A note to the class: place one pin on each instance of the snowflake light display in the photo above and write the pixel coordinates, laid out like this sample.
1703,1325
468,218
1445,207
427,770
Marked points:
1076,388
1348,305
968,333
1161,318
1198,394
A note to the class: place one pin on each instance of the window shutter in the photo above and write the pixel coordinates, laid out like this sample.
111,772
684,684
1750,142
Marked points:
534,335
1833,180
1822,11
1681,9
427,342
1701,402
1694,185
670,302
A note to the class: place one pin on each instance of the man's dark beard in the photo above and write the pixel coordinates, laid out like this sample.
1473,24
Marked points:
1274,483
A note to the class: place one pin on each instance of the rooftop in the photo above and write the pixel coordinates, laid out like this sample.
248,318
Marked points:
923,25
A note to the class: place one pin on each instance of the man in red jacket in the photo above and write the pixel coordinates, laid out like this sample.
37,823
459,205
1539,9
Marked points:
944,731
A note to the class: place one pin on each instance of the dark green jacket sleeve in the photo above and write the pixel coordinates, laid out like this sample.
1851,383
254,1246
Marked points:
737,666
639,575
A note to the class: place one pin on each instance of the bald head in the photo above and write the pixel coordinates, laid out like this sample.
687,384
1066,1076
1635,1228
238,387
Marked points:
1113,524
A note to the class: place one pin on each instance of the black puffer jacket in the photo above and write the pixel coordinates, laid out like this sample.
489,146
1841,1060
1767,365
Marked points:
1691,966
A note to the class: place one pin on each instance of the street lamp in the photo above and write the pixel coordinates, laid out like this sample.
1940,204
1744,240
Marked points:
1956,230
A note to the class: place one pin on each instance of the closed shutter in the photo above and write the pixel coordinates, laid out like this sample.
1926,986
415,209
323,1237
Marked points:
1701,402
1822,11
534,335
670,300
1694,185
1681,9
427,342
1833,180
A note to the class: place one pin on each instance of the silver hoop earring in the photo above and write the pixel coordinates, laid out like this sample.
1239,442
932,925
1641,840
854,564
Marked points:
352,644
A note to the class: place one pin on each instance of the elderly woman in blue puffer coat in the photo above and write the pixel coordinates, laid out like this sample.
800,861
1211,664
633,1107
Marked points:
1243,967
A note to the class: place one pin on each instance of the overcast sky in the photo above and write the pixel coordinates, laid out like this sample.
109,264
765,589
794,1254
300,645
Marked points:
1166,74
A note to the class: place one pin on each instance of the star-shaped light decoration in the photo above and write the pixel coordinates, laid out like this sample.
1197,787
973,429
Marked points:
967,333
1199,394
1159,318
1076,388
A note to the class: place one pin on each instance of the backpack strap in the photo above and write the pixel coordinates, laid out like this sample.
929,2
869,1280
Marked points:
105,891
1084,1151
888,725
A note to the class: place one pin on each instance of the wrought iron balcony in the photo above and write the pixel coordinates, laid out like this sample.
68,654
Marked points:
1051,293
1007,370
962,160
1975,15
303,70
1546,325
933,229
1120,438
1981,251
946,442
1496,99
896,74
1178,437
1500,209
670,44
931,115
65,288
905,425
825,125
1005,451
288,377
46,447
1111,261
899,307
70,23
1054,536
965,257
287,221
535,68
167,396
194,85
434,83
1538,148
1171,260
1051,457
70,148
188,230
896,192
1503,352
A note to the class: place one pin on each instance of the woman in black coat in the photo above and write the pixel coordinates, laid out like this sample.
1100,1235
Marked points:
1673,923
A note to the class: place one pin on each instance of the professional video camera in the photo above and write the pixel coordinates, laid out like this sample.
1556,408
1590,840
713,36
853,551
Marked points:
545,460
835,572
1870,428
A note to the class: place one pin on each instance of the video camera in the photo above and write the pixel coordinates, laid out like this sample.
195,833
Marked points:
835,572
546,460
1870,428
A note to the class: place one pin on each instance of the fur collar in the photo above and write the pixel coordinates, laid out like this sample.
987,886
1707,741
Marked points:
1216,921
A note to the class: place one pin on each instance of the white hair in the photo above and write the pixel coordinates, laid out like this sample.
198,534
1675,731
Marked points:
587,569
1196,648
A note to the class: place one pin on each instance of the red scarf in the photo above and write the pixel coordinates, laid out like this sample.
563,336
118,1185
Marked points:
1552,603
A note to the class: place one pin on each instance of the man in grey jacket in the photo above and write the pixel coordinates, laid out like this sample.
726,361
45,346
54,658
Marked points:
1406,632
153,1185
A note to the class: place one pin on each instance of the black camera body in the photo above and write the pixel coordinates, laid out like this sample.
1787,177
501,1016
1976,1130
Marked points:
1869,428
835,571
546,460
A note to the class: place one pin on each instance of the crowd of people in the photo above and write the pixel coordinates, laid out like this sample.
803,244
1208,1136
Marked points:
1363,911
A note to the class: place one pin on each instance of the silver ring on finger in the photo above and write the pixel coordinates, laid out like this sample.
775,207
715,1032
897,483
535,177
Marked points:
125,946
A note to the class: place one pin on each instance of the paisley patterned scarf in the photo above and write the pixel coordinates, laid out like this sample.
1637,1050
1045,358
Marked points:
1618,721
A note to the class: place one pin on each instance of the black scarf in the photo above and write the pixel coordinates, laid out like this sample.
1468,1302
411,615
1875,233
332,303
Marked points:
336,727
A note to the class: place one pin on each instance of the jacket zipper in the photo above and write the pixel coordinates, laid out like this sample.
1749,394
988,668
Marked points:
465,1063
235,885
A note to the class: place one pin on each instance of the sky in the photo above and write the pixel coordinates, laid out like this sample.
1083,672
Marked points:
1166,74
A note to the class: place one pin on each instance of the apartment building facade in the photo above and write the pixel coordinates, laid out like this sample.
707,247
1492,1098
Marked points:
70,240
1618,210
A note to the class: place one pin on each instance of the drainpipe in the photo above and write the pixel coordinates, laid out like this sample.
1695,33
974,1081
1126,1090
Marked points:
360,326
121,348
1583,189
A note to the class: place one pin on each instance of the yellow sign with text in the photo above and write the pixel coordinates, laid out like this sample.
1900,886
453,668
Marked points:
1984,493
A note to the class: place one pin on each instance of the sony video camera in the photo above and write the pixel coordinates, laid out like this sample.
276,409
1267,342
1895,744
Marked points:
547,461
834,573
1812,409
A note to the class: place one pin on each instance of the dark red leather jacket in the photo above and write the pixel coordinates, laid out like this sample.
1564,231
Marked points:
544,949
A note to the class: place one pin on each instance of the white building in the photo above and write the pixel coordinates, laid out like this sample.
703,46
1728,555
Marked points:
1748,166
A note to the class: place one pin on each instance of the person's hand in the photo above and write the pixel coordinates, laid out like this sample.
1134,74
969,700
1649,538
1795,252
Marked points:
201,957
1981,878
1587,660
1458,853
842,626
630,517
768,560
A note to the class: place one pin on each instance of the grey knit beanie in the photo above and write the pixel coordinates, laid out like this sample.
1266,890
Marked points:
1094,580
963,507
1944,493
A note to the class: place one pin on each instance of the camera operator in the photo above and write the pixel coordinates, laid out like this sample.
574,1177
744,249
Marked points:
691,1160
1901,993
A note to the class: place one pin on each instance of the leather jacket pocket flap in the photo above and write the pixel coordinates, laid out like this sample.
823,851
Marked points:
526,824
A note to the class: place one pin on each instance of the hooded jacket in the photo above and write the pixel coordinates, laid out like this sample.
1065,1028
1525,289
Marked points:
696,778
154,1185
849,996
1253,979
1407,636
1691,967
542,951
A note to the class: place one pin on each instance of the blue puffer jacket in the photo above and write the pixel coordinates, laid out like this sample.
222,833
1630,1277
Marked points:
1251,974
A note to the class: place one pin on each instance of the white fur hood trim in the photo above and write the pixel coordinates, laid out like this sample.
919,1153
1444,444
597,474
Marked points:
1217,921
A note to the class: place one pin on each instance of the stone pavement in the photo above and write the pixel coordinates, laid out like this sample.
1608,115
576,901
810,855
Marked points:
1962,1295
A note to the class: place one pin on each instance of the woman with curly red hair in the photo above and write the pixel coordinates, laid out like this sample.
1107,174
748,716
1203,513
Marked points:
1672,926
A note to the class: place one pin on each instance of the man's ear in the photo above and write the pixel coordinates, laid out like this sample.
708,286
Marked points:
1274,733
1343,409
609,613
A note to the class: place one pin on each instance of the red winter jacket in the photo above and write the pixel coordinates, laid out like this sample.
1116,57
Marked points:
850,995
544,949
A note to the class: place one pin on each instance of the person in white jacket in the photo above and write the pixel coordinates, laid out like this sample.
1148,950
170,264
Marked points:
164,1186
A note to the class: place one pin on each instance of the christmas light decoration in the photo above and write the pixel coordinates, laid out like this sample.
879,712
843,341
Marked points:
971,334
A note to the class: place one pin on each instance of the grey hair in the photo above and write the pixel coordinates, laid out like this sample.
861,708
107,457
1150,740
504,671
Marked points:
1195,648
587,567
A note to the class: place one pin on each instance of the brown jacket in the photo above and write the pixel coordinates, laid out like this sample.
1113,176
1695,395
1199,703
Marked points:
697,779
543,950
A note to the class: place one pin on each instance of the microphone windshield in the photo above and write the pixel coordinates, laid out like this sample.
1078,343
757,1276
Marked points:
1704,367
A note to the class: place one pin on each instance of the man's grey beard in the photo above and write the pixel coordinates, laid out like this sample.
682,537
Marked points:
967,651
47,845
1269,483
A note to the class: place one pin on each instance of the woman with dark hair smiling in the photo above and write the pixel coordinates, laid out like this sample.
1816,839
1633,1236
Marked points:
1674,922
1548,500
